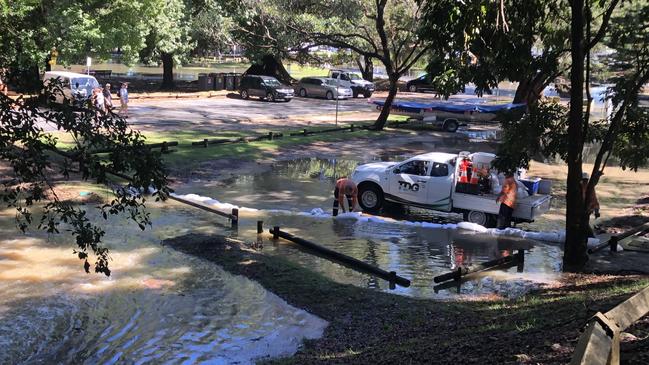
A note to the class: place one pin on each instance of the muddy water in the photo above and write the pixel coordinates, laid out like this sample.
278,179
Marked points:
416,253
158,306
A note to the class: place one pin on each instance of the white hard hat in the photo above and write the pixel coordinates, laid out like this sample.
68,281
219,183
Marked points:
584,176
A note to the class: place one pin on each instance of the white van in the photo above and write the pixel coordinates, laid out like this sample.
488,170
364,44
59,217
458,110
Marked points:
76,87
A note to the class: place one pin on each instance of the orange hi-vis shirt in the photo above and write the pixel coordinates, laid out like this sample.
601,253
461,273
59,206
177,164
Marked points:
508,192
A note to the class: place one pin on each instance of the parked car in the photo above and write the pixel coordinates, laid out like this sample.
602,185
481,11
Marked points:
323,87
431,181
76,88
422,83
354,81
264,87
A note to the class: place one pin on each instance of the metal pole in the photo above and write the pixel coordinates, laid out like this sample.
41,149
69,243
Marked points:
337,97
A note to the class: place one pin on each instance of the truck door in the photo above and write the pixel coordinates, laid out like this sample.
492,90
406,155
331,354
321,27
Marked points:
408,182
440,186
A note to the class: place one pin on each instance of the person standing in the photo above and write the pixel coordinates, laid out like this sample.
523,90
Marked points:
345,188
591,201
108,98
507,200
123,99
3,84
98,98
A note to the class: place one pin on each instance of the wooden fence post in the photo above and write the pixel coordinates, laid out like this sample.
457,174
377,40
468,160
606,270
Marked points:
260,227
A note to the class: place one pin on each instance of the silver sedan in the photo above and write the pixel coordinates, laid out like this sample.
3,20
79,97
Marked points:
322,87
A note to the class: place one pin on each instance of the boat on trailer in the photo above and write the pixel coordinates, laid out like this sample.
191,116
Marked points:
448,114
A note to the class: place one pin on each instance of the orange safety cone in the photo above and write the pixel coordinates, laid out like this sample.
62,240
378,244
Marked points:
464,178
474,176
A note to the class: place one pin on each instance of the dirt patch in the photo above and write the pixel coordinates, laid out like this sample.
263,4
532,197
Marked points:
75,195
542,327
621,224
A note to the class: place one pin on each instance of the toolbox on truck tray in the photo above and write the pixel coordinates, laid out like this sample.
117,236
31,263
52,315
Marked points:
532,185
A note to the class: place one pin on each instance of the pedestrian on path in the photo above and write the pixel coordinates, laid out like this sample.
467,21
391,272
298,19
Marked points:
123,99
3,85
108,98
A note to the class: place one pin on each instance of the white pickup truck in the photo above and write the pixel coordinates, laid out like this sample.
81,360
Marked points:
430,181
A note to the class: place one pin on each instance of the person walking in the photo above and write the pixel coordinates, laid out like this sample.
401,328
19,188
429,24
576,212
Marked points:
507,200
108,98
345,188
98,98
123,99
3,84
591,201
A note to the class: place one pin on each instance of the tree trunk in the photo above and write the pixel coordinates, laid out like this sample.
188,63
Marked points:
271,66
167,71
530,90
575,250
385,112
366,65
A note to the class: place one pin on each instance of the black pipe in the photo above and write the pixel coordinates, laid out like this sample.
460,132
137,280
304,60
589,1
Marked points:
614,240
355,263
462,271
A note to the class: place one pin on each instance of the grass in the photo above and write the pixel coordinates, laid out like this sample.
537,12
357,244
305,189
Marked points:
186,156
299,71
368,326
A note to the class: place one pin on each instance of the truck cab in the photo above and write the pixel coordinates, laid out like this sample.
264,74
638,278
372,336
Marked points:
431,181
354,81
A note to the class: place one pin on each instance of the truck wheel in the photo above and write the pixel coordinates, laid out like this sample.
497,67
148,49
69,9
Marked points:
244,94
303,93
355,93
370,197
451,126
412,88
477,217
270,97
330,95
367,94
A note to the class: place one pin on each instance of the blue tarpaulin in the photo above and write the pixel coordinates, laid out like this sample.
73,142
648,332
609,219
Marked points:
414,107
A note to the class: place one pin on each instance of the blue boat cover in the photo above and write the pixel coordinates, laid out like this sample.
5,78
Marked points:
414,107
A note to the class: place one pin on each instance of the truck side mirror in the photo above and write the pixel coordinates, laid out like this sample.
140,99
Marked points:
396,171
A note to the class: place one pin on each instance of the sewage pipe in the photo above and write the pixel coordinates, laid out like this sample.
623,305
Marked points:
463,271
614,240
391,276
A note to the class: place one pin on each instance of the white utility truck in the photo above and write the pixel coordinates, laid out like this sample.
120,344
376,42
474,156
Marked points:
74,87
431,181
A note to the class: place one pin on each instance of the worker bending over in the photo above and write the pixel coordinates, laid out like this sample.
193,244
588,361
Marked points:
344,188
507,200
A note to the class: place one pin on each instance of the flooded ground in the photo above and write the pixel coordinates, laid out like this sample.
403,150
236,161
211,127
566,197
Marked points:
159,306
285,194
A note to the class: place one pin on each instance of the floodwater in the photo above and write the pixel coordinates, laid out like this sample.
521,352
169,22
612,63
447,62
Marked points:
291,188
159,306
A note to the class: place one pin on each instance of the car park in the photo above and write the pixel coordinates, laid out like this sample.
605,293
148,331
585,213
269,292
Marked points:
264,87
432,181
422,83
74,87
354,81
322,87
